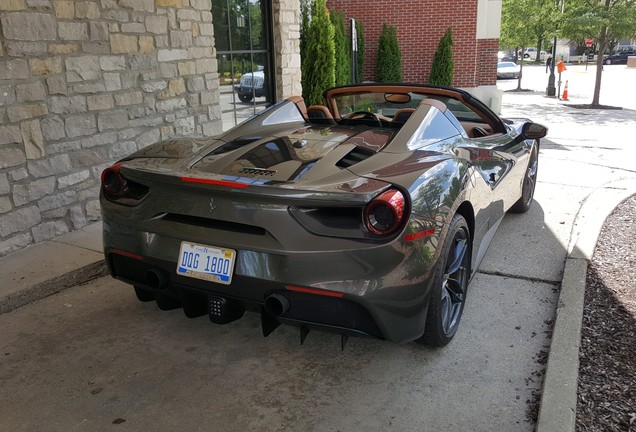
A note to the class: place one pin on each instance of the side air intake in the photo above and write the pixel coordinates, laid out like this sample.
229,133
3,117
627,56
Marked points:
357,155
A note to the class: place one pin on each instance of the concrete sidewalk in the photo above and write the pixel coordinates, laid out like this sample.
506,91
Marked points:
75,258
49,267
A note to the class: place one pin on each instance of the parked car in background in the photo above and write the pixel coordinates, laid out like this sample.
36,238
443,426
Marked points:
531,54
251,85
508,70
505,56
367,216
618,58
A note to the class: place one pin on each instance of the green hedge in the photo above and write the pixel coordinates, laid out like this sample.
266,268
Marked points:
443,67
389,64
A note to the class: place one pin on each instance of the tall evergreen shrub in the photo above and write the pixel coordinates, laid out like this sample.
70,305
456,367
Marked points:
305,9
341,46
389,64
318,67
443,66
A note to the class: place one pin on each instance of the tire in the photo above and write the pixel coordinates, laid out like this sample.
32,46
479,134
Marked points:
245,97
608,62
529,184
450,284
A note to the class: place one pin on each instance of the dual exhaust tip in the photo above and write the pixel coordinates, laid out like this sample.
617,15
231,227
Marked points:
276,305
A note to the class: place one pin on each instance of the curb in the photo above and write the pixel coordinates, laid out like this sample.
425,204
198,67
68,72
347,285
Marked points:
53,286
557,411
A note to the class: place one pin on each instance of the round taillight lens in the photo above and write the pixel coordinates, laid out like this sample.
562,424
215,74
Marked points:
385,214
113,182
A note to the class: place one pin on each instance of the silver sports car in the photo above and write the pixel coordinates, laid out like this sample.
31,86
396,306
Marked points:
364,216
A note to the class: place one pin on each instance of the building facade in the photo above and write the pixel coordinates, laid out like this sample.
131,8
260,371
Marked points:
476,26
86,82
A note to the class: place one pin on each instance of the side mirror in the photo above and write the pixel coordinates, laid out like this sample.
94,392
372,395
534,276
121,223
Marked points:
533,131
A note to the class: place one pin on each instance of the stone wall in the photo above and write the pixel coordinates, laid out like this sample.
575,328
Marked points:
83,83
287,48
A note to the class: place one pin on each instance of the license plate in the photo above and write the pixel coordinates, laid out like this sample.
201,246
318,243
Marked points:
206,262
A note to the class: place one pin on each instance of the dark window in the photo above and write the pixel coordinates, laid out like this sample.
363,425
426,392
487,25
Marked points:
242,34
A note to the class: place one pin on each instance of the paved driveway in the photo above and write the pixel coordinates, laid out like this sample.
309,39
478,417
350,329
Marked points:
93,358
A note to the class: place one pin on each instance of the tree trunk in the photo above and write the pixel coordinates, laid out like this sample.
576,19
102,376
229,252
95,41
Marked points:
523,50
602,41
539,44
599,67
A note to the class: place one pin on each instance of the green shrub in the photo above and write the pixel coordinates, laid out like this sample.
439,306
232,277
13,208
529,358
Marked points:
341,47
389,64
305,9
443,66
318,66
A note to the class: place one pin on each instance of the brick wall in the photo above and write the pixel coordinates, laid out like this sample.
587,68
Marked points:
83,83
421,24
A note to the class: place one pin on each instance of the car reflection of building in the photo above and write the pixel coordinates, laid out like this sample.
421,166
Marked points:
251,85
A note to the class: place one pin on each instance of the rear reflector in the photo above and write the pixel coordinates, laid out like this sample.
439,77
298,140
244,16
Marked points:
128,254
314,291
419,235
214,182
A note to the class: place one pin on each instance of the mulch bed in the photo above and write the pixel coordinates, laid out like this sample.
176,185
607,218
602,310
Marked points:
607,372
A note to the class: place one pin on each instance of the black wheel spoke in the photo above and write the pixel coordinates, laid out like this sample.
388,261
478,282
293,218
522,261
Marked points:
455,290
461,247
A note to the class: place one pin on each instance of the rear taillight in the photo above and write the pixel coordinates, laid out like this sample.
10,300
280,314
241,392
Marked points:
118,189
385,215
113,182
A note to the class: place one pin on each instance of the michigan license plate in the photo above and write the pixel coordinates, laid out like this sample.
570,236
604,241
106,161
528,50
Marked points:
206,262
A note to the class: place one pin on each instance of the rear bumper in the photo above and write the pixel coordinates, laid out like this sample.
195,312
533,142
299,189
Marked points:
374,304
342,315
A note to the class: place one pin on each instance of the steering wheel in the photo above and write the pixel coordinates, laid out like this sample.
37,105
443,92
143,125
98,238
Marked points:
365,115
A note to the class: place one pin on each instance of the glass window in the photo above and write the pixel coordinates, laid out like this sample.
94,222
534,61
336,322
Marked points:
241,31
435,127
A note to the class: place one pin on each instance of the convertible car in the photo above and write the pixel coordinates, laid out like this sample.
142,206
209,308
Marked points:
364,216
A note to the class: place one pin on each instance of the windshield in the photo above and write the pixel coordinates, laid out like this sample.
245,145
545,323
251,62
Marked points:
387,104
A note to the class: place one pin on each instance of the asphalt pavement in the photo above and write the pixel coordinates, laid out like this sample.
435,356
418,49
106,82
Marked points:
586,169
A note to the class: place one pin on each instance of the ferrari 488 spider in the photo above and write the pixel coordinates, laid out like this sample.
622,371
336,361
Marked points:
364,216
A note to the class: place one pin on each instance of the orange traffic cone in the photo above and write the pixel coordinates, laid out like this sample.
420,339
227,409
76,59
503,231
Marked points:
565,92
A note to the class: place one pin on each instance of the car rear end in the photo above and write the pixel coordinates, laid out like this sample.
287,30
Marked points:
329,250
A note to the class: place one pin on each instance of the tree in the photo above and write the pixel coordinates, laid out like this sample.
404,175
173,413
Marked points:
443,67
604,21
389,64
305,11
341,46
517,24
318,66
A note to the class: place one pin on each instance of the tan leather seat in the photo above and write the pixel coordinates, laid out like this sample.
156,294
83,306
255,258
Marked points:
402,115
320,114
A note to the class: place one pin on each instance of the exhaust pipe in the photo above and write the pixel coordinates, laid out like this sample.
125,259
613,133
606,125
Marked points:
156,279
276,305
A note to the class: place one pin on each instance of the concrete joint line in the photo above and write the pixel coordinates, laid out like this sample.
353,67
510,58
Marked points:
53,286
511,276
